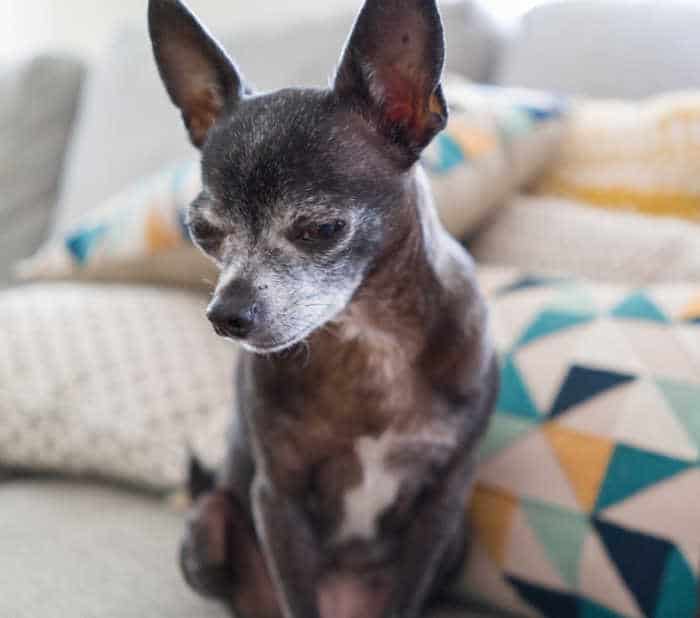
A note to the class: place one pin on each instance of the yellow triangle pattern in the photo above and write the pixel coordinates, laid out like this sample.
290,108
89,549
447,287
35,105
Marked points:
159,233
692,311
584,459
491,515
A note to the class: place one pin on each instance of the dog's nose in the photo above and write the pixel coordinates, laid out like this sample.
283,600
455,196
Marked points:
233,319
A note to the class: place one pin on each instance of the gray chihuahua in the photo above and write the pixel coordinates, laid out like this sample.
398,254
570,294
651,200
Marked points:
368,375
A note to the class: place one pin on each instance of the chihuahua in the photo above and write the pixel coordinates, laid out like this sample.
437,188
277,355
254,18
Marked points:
367,374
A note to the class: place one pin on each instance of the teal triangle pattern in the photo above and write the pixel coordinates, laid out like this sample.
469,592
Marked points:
562,533
589,609
444,156
639,306
550,322
582,384
684,400
82,243
632,470
574,298
679,592
514,397
503,431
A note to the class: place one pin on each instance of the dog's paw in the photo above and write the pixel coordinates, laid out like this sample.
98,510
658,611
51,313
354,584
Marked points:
205,550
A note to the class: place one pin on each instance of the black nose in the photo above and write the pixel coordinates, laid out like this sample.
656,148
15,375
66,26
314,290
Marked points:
233,319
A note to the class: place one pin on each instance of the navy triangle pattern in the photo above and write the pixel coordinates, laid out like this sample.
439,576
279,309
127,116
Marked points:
640,560
550,603
583,383
527,282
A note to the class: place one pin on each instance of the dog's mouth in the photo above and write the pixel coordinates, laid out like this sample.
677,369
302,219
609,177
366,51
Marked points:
273,346
270,347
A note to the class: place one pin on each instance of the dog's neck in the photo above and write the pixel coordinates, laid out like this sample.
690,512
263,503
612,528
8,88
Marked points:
400,298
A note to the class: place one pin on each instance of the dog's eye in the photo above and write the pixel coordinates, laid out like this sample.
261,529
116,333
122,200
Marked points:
321,231
205,234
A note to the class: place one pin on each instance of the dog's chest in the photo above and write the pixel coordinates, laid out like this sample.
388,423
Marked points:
391,468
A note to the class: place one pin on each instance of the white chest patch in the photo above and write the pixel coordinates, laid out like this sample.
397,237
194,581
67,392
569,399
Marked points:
378,490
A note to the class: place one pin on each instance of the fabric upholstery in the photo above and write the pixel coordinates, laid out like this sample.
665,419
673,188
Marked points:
639,156
611,49
87,551
588,491
115,382
554,235
38,100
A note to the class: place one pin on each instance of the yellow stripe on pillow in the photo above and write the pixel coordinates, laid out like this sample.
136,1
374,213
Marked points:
637,156
623,198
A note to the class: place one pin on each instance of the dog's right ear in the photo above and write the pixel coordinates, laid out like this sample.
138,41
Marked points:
198,74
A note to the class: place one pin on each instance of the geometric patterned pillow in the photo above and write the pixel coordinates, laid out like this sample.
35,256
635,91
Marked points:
588,497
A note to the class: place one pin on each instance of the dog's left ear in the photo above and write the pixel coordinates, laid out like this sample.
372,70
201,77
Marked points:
198,74
392,65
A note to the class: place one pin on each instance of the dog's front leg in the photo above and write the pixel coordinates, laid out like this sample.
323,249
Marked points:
430,540
290,550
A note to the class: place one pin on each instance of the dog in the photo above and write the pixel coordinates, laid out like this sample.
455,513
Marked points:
367,373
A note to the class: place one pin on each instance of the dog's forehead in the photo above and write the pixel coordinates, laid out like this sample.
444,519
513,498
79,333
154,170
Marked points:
292,148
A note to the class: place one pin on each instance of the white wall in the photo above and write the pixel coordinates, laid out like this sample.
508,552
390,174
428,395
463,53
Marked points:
83,26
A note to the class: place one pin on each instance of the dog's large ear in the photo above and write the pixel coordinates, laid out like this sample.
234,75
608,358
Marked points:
198,74
393,63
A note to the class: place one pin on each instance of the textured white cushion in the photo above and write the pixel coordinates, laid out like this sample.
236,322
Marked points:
110,381
554,235
37,105
128,128
615,48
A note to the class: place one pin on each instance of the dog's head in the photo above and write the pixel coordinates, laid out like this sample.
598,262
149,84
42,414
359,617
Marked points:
303,189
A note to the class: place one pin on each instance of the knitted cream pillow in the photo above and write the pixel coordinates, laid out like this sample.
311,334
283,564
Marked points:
639,156
111,381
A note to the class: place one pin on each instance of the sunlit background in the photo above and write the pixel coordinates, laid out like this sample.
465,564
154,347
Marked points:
81,26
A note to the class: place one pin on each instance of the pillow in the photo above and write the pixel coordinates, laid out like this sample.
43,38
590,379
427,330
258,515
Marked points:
588,492
632,156
559,235
38,100
496,141
112,382
139,235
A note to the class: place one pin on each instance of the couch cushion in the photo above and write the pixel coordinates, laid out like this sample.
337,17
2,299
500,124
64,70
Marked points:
117,382
555,235
588,490
638,156
70,550
607,49
85,551
37,105
128,128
